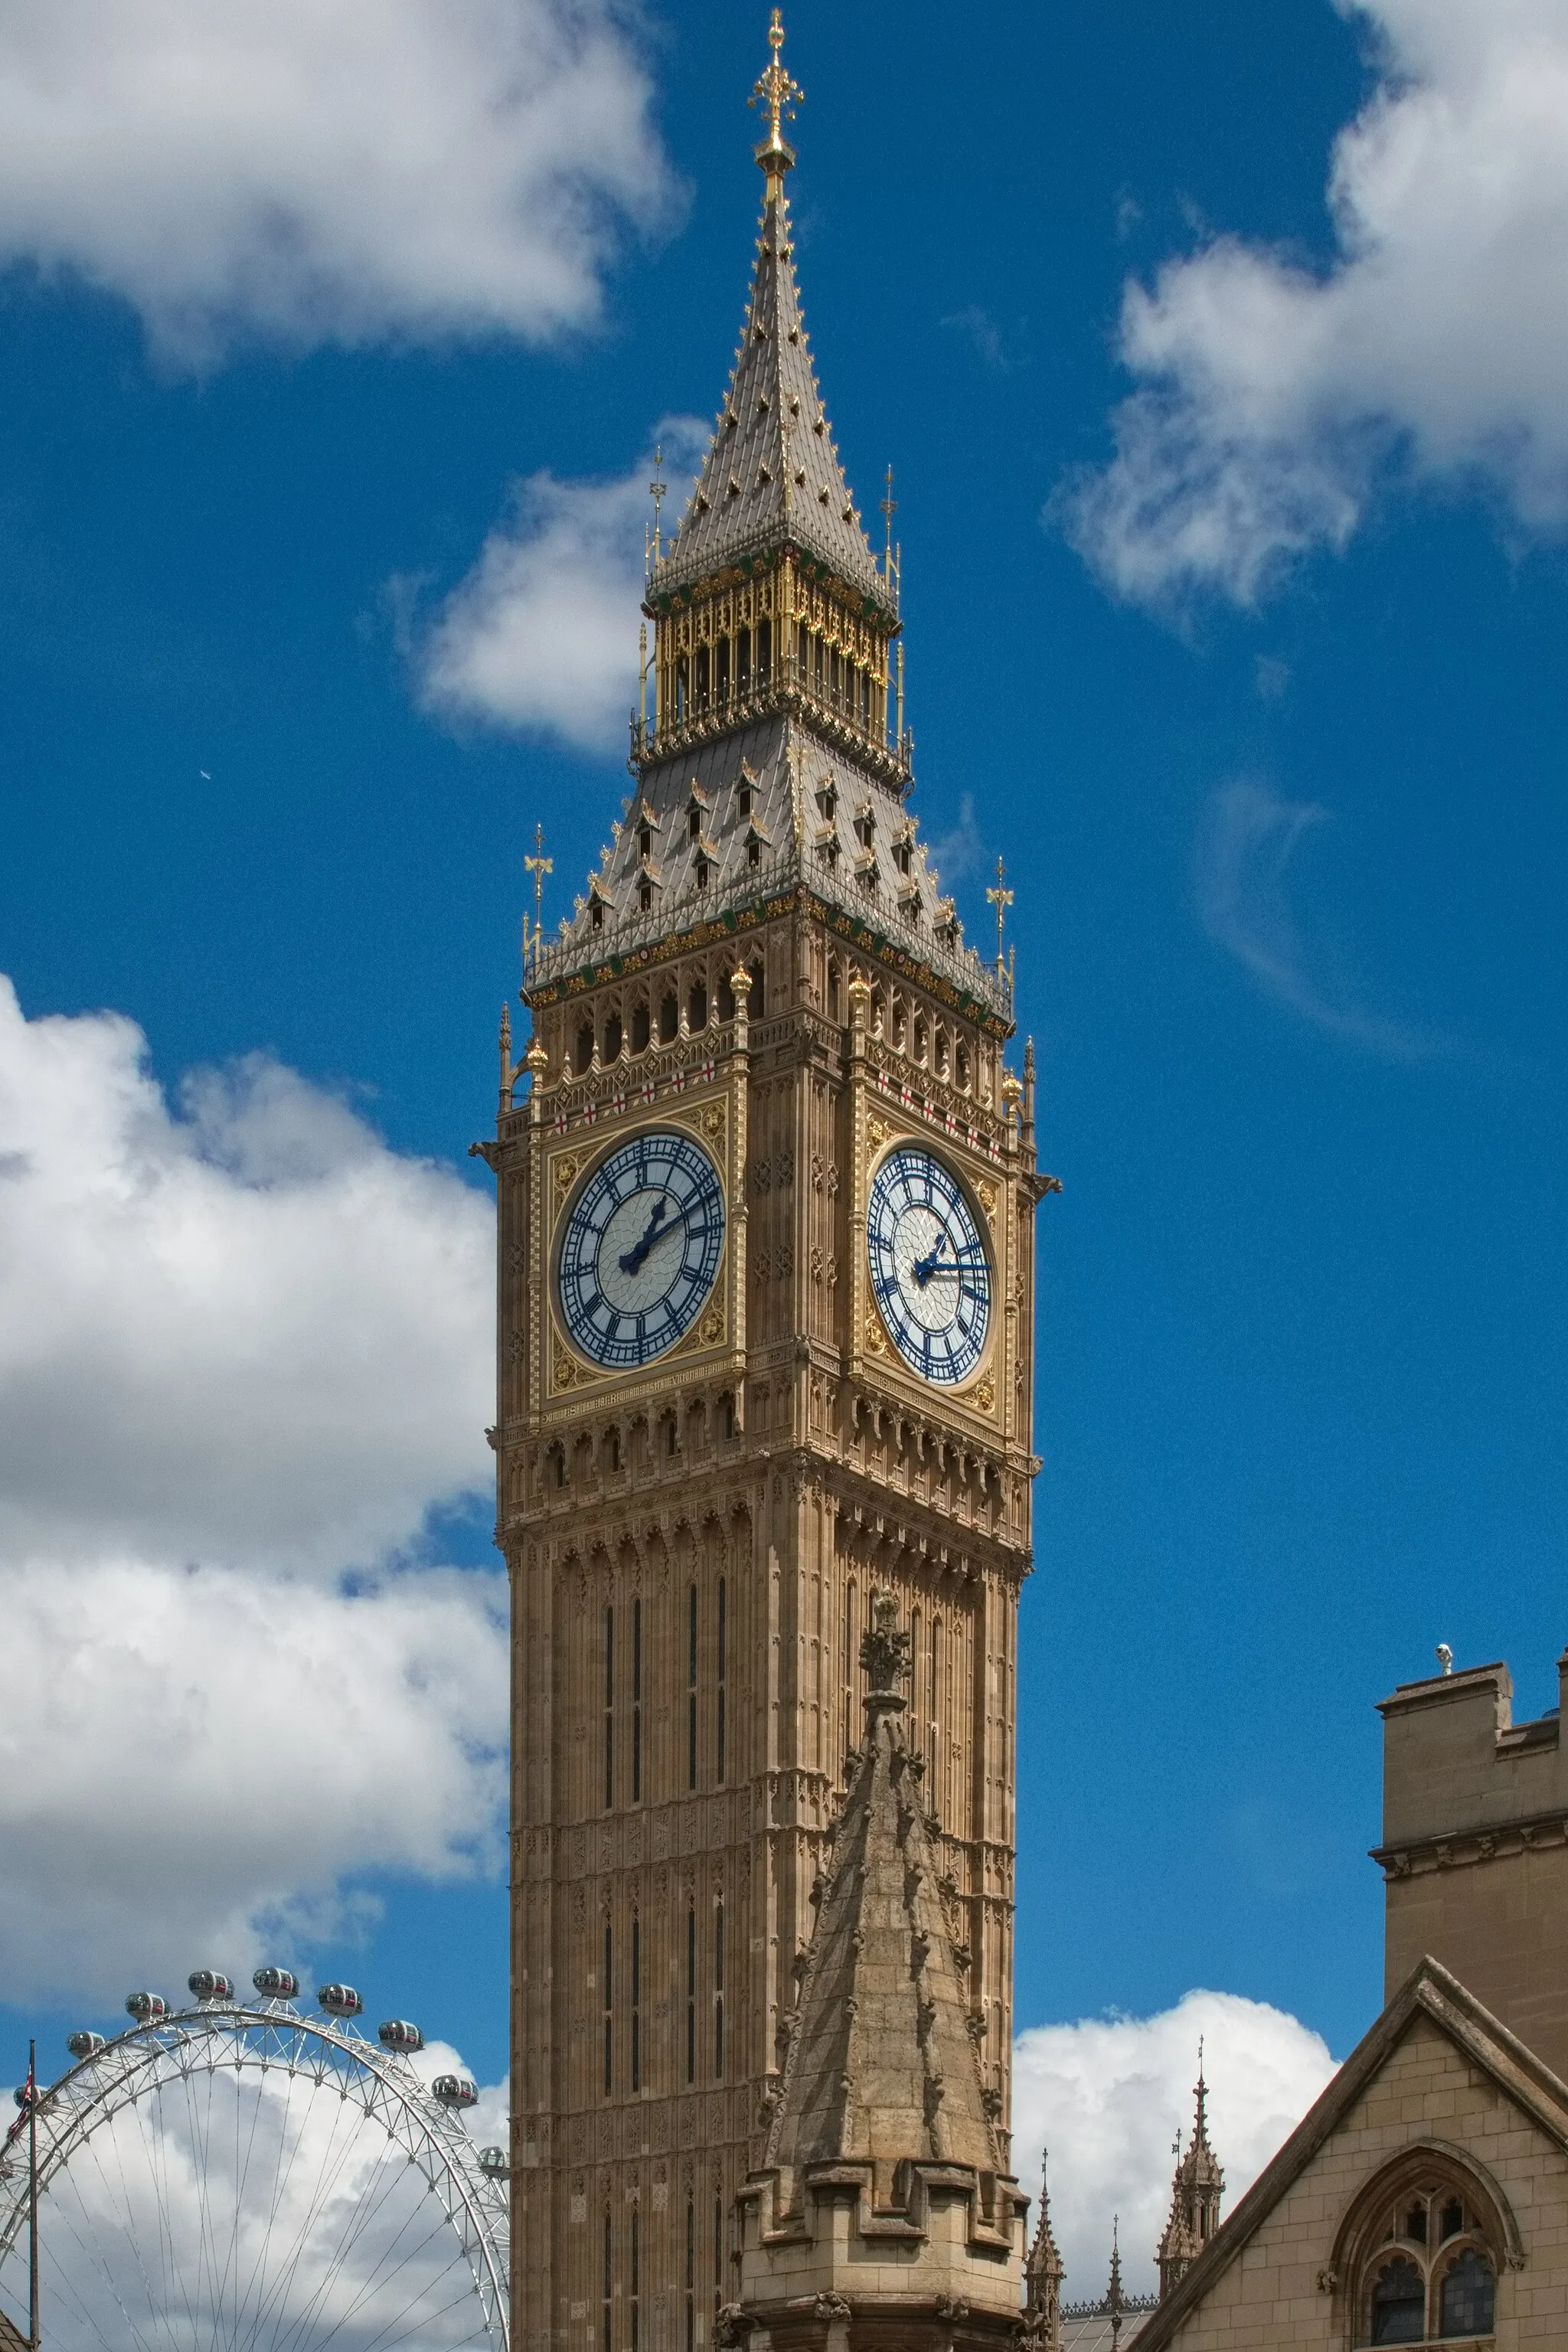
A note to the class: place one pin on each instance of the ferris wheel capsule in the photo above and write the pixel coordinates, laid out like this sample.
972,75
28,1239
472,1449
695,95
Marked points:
146,2007
494,2161
208,1985
85,2045
23,2097
398,2034
276,1984
454,2091
339,2000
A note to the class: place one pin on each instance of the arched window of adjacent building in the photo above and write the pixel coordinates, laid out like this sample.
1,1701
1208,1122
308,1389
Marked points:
833,991
1421,2249
1467,2295
718,2257
690,2275
637,2007
634,2283
757,1003
608,2010
1398,2307
610,2280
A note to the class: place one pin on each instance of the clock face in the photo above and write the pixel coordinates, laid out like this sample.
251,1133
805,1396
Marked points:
640,1250
929,1267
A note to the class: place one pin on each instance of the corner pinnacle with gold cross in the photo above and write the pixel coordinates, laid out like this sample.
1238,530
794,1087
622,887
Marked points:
776,95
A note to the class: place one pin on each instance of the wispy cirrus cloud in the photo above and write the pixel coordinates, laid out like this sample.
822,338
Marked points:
1244,867
1273,398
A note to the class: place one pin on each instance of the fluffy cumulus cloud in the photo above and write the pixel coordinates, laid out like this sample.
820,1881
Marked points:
541,637
244,1351
1108,2095
325,174
1272,397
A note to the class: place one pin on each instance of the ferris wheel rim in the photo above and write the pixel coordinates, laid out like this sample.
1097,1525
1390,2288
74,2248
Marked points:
150,2052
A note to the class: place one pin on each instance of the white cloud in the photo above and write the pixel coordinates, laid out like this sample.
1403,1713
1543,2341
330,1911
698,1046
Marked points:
1107,2096
333,174
250,1334
541,635
1273,396
243,1349
1246,843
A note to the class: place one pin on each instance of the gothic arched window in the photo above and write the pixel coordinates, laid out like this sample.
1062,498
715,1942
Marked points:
1421,2249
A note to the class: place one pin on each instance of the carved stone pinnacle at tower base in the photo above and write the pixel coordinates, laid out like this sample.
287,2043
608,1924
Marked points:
765,1363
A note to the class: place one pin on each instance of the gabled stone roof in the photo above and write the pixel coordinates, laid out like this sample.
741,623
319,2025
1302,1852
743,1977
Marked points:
772,470
881,2068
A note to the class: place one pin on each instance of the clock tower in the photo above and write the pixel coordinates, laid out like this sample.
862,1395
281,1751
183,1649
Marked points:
765,1376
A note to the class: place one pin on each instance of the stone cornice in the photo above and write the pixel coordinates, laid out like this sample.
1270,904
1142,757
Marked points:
1462,1848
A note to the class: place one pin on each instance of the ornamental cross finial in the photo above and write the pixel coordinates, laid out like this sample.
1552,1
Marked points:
656,490
776,95
539,866
1001,900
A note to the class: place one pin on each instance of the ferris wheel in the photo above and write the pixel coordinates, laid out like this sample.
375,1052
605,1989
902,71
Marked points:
246,2176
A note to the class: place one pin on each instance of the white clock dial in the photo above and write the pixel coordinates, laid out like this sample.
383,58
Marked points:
930,1273
639,1251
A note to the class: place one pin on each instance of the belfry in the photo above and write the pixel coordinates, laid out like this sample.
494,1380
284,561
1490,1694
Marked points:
763,1463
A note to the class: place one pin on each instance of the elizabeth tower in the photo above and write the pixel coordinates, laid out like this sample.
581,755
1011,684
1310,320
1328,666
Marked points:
765,1350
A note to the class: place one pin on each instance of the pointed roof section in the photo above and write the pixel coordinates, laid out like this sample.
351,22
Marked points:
772,472
881,2067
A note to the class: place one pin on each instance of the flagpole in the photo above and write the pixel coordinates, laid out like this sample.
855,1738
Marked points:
33,2338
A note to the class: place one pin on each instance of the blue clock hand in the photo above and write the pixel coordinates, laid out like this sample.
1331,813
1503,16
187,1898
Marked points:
929,1265
923,1268
630,1260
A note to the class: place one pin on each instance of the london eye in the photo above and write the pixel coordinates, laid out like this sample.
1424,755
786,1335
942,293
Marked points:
246,2174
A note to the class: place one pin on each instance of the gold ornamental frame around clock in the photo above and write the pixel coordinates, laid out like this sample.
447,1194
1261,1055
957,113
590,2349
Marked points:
569,1166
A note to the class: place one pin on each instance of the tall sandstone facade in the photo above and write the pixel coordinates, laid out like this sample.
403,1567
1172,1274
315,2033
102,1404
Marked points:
766,1353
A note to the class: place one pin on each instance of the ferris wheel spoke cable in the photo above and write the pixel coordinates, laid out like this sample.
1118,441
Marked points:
242,2185
381,2277
65,2290
132,2220
320,2191
100,2257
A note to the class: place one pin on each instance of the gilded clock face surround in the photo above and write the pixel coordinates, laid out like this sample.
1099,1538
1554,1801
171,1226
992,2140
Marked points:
638,1250
929,1269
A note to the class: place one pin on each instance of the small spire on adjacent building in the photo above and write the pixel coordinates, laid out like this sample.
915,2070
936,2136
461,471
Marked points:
1043,2273
1195,2193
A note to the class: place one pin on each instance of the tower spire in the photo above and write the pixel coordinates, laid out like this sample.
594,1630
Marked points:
776,95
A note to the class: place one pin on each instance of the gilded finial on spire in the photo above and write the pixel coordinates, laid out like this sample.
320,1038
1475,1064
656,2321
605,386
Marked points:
776,95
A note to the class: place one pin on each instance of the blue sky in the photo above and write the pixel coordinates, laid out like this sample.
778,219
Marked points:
1235,624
